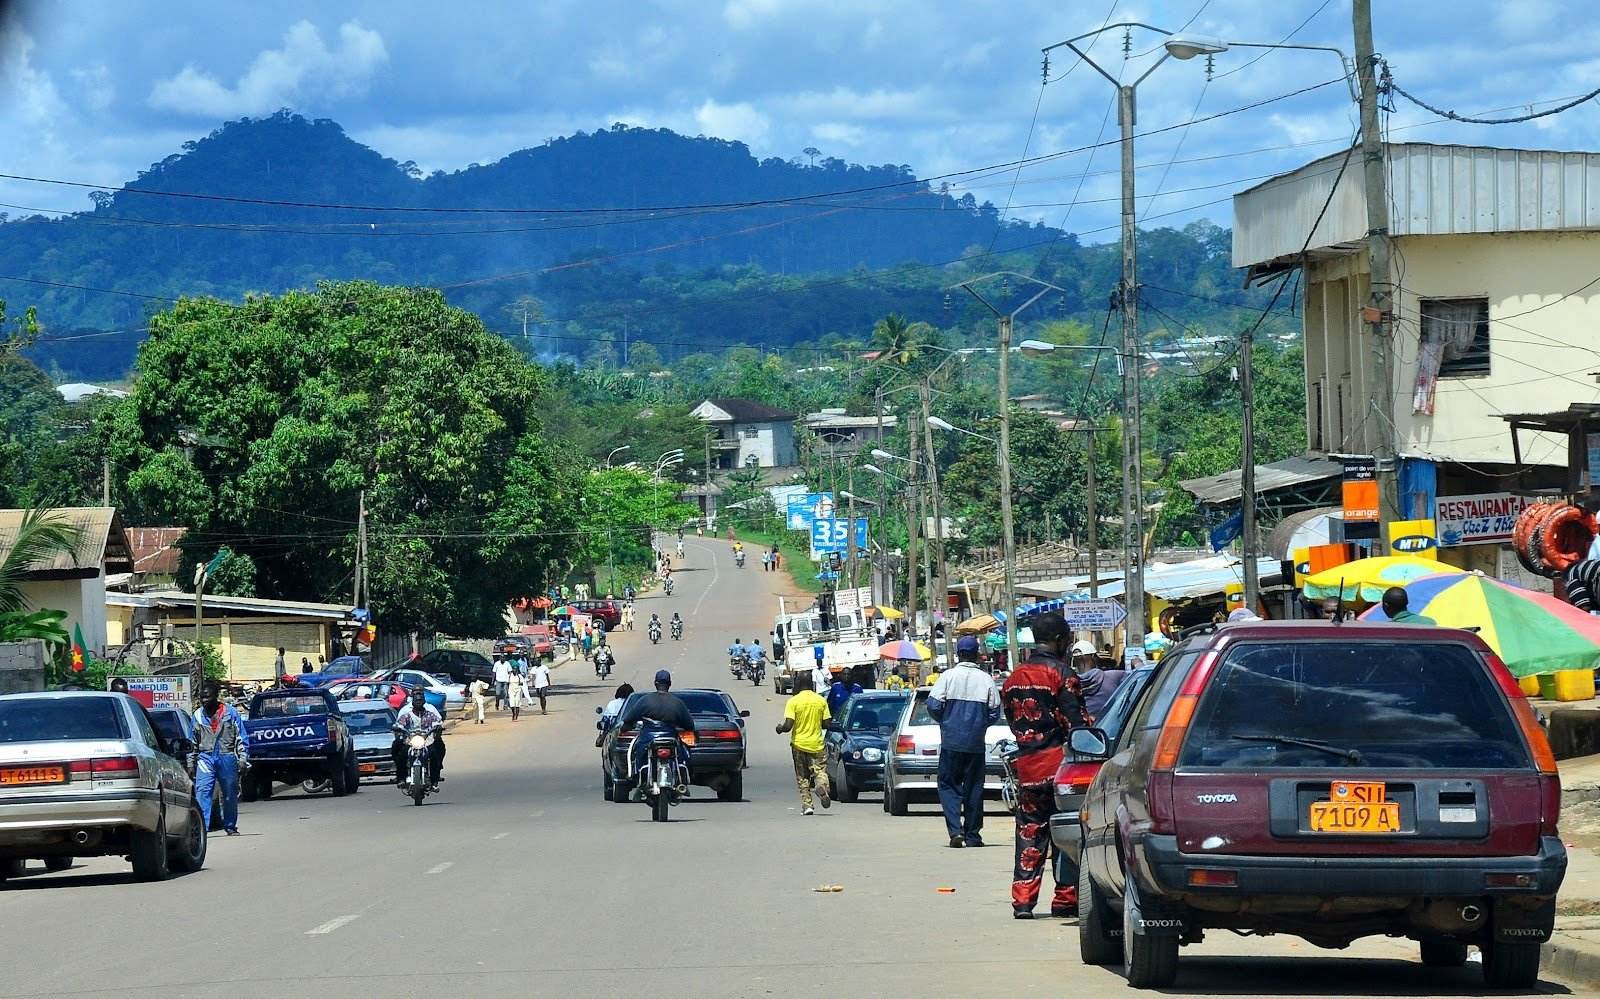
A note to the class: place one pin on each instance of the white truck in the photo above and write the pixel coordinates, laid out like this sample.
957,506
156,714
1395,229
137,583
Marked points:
849,643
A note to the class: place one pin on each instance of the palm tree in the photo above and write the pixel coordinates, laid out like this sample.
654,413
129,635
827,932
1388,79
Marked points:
899,342
38,538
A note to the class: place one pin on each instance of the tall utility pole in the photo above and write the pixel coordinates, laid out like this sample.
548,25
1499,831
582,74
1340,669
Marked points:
1247,471
361,550
1007,525
1380,297
942,597
1132,443
913,528
105,480
1092,515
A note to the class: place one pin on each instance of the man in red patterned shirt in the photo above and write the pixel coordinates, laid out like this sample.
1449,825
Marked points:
1042,702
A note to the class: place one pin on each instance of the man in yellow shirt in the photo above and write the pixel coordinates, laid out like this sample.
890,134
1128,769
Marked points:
804,716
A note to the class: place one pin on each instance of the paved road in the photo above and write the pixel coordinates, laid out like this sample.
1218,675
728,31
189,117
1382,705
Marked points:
519,878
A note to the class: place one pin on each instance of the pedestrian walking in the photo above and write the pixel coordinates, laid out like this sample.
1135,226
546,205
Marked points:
502,679
279,665
480,697
766,561
1042,701
588,643
803,717
965,703
515,694
222,754
540,675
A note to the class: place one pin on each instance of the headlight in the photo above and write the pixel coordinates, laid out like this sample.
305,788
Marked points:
417,742
872,755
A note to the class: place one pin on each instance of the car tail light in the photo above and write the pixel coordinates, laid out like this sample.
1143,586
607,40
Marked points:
1182,712
1508,880
1543,759
1205,877
720,735
114,765
1075,778
77,767
687,738
905,744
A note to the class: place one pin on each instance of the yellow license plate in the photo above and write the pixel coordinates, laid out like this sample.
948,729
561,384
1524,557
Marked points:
1359,807
368,768
32,775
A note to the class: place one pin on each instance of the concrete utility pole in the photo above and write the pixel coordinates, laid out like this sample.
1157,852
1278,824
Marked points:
1007,525
1247,470
361,550
913,529
105,480
1132,440
1092,515
936,601
1380,298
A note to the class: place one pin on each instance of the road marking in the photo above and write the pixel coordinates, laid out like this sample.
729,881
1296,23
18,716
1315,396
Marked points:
441,868
501,835
332,924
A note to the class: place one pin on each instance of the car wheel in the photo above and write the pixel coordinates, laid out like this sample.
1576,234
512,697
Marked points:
1096,945
340,779
619,792
1443,953
353,775
895,801
734,789
842,789
12,869
190,855
1511,965
1148,962
57,864
149,852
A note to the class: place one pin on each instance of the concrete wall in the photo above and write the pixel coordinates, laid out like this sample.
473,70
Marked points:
21,666
84,600
1539,360
772,444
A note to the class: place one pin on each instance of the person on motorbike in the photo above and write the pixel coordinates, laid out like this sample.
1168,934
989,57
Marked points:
655,628
677,625
604,660
680,549
736,649
655,712
418,717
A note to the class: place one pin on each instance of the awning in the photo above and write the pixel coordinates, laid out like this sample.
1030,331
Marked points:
1217,490
1201,578
1062,584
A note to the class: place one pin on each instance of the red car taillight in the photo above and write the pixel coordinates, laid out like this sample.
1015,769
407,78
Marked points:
105,768
905,744
1075,778
720,735
1544,759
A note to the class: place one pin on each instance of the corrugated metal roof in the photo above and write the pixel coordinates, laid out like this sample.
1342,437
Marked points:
1198,579
179,600
1225,488
1434,190
155,549
102,542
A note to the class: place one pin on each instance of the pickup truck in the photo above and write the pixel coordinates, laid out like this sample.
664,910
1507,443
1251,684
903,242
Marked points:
342,668
297,735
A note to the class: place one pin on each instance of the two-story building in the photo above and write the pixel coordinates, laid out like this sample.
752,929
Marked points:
748,434
842,435
1496,262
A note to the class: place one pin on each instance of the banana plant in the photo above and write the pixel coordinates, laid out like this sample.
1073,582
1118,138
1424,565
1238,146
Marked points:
45,625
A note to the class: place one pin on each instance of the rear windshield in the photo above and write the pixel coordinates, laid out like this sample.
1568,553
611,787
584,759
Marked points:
59,719
873,714
919,712
368,722
702,702
281,707
1370,704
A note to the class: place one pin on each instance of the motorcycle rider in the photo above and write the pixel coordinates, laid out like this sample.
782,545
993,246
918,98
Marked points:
418,717
655,627
660,709
677,625
604,660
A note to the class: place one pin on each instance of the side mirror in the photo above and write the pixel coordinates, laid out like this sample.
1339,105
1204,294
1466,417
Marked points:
745,713
1091,742
179,748
598,709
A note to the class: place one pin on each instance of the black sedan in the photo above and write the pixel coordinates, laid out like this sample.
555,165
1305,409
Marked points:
716,758
858,738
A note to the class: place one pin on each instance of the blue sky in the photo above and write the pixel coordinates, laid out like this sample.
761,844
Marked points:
95,90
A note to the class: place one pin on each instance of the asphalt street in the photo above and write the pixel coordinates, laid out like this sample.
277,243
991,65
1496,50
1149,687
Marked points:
519,879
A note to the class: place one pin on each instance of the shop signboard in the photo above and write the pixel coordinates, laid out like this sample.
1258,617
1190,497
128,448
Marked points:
159,691
807,507
1478,519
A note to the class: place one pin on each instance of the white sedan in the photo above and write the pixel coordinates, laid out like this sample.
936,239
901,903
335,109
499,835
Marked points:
454,694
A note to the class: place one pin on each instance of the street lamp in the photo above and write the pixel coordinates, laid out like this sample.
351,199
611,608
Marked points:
617,451
1007,525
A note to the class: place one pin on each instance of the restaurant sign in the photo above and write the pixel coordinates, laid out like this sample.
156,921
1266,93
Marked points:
1484,518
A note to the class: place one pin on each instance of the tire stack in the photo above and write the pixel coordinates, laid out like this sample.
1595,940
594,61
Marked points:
1551,538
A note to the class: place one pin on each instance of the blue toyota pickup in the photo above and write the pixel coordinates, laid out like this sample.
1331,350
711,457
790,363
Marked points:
298,735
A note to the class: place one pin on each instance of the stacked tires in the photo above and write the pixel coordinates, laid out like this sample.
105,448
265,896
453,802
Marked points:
1550,538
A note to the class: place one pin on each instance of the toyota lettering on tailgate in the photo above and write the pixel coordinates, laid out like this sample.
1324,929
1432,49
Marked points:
287,732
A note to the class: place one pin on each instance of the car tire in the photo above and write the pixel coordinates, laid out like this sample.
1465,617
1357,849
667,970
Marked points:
57,864
190,855
340,779
843,790
895,801
1096,945
1511,965
353,775
13,868
605,785
1443,953
734,789
1148,962
148,852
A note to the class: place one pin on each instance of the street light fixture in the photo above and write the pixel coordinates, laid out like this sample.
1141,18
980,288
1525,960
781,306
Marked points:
940,424
1189,46
617,451
1043,348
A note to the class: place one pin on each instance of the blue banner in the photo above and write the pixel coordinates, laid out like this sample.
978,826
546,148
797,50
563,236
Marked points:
1225,532
808,507
833,535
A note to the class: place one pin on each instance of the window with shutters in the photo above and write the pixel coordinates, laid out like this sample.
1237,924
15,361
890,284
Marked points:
1460,326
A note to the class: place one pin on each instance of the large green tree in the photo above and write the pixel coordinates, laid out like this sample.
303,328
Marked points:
259,427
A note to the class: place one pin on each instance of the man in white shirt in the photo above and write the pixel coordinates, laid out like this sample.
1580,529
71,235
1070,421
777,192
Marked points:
540,675
502,680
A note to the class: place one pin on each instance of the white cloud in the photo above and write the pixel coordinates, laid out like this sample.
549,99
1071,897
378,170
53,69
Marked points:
835,131
732,121
744,14
30,91
95,86
304,68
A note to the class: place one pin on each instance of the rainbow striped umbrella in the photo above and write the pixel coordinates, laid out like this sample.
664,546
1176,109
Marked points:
1533,632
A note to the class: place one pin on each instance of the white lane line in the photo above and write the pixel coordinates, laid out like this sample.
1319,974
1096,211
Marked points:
332,924
440,868
501,835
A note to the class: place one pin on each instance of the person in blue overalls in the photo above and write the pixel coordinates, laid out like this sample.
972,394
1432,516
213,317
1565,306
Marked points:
222,752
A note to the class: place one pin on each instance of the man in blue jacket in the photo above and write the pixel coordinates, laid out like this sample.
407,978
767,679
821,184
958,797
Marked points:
965,703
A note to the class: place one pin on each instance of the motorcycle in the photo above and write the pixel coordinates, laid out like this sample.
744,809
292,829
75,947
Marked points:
603,663
738,559
655,634
663,779
737,664
1010,786
757,671
417,786
677,630
667,586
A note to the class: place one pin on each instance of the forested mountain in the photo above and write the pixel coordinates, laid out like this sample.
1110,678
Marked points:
609,231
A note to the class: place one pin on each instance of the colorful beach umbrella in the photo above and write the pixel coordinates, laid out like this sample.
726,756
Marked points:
1532,632
1365,579
903,650
562,611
